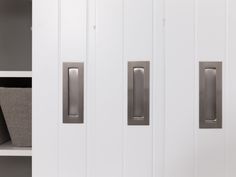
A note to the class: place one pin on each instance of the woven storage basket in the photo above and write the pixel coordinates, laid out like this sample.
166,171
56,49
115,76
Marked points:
16,106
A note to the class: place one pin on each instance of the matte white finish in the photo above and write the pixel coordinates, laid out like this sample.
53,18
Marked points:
230,110
73,21
174,36
7,149
45,88
158,89
101,145
91,83
195,31
106,127
138,28
179,78
138,46
15,74
72,48
210,31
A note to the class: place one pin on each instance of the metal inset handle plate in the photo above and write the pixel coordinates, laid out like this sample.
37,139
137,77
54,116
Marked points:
138,93
210,95
73,92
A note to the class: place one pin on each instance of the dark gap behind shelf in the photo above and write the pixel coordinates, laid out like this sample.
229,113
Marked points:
15,35
16,82
15,167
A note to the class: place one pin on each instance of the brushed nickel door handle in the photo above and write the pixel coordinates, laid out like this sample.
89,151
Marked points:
138,93
210,105
73,92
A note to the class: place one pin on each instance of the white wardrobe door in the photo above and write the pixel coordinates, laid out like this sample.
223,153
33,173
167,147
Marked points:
45,88
105,35
138,46
123,32
73,48
210,33
179,61
105,126
195,31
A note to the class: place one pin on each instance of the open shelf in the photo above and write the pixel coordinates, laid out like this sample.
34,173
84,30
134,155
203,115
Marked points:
15,74
24,74
7,149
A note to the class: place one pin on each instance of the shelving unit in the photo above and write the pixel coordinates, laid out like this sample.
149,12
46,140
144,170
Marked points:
7,149
15,71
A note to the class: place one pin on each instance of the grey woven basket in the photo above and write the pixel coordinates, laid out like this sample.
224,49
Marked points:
16,106
4,134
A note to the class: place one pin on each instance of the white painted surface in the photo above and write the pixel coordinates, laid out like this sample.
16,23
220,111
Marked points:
210,29
106,126
179,78
105,145
72,48
15,74
91,86
45,88
230,110
106,34
7,149
73,26
210,33
158,89
138,46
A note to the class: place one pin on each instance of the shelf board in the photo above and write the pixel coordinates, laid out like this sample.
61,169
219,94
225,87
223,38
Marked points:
15,73
7,149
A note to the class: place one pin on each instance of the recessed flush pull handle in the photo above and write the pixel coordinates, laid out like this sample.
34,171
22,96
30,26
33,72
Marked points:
138,93
73,92
210,94
138,97
73,89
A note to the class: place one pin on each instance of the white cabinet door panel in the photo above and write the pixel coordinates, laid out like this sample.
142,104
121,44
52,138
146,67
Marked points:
179,79
73,29
106,127
138,46
174,36
73,48
210,33
45,88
